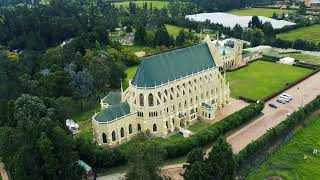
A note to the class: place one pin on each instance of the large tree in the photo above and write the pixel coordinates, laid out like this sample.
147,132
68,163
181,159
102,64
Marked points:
38,147
145,161
219,165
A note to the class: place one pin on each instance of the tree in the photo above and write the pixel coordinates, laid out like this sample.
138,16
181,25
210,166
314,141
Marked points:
37,147
274,15
237,31
140,35
255,22
256,37
220,163
145,161
302,9
162,37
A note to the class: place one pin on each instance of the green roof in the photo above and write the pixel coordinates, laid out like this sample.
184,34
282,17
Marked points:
113,112
112,98
168,66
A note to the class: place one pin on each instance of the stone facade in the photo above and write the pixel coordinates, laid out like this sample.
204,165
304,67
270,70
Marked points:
166,107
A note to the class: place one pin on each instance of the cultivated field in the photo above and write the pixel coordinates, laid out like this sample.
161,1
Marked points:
306,58
258,12
155,4
261,79
295,159
310,33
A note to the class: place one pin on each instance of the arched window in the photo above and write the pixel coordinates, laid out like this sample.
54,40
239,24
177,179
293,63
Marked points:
104,138
113,135
141,98
159,95
130,128
154,127
122,132
167,124
150,99
139,127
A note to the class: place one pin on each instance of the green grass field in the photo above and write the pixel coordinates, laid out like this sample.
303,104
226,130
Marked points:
289,163
131,71
305,57
155,4
258,12
310,33
260,79
174,30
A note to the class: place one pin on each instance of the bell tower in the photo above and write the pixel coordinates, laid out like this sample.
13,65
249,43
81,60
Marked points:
238,47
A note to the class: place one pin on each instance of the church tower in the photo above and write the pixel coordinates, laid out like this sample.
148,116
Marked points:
238,47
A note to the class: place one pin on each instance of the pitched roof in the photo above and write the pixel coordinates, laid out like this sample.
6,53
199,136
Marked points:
168,66
112,98
113,112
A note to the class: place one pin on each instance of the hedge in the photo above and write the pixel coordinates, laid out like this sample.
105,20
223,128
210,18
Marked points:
279,131
99,157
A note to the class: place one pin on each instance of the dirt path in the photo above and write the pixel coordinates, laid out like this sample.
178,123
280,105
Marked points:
3,172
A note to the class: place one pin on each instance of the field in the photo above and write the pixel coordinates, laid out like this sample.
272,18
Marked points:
310,33
289,162
257,12
305,57
174,30
155,4
261,79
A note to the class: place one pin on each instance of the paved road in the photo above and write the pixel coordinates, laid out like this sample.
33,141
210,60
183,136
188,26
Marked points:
303,93
307,91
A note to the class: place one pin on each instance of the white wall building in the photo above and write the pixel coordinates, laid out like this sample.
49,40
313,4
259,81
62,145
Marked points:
169,91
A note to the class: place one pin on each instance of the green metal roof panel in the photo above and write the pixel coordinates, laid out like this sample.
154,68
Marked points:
168,66
113,98
113,112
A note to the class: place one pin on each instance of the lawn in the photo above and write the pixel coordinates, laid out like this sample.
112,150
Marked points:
131,71
258,12
306,58
136,48
309,33
261,79
289,162
174,30
155,4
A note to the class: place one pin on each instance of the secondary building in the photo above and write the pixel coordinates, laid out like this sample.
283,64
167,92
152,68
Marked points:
169,91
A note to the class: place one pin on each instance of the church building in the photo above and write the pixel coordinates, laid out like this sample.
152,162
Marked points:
169,91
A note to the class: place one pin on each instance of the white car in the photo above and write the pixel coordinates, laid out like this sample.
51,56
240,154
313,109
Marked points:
287,99
288,114
281,100
287,95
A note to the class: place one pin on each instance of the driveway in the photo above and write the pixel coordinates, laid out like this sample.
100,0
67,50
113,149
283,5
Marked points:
3,172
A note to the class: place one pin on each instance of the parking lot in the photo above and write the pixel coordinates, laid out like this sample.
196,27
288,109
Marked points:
302,94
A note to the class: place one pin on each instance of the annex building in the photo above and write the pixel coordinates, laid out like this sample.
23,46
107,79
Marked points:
169,91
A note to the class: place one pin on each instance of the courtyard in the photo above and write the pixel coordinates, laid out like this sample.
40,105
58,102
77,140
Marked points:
261,79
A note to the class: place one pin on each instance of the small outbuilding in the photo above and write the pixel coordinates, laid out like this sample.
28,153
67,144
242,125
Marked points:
286,60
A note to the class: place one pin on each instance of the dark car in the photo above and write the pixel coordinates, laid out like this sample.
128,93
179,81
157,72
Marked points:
273,105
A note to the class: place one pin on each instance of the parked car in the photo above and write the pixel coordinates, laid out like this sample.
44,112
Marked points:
287,95
281,100
288,114
273,105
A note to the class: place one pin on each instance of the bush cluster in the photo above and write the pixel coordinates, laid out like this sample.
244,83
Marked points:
279,131
105,158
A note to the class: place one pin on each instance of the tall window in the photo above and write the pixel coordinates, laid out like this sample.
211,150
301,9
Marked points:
104,137
113,135
130,128
154,127
139,127
141,98
150,99
122,132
